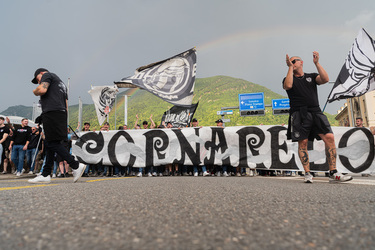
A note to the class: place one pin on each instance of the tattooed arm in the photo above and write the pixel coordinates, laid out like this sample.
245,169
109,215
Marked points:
41,89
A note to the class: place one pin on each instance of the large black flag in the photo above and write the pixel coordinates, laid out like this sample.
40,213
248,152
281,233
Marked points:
171,79
357,74
179,116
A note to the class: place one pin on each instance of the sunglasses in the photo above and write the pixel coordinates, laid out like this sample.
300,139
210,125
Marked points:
295,60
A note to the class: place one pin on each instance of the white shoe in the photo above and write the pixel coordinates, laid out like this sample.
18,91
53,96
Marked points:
19,174
205,173
54,176
139,174
293,174
154,174
225,174
23,171
39,174
339,177
149,175
77,173
195,174
251,173
31,172
308,178
238,174
40,179
161,174
218,174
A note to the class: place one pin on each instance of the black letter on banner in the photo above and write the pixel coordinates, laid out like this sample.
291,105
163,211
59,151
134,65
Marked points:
91,136
161,143
343,143
214,148
252,142
86,138
112,148
186,148
275,147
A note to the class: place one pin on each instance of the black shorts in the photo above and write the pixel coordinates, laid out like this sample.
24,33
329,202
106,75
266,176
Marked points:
55,125
310,127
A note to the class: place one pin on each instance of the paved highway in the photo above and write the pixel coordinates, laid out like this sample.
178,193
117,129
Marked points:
187,213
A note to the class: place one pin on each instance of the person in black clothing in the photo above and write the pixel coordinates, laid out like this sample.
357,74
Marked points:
54,101
32,148
306,120
4,133
19,143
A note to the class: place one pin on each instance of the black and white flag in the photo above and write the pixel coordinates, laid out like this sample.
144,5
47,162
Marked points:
103,97
357,74
179,116
171,79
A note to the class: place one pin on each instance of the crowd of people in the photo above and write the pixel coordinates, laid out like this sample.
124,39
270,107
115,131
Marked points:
22,151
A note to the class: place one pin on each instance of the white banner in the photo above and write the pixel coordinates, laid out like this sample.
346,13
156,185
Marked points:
261,147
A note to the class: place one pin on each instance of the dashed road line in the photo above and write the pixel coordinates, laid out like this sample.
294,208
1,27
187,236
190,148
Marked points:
13,188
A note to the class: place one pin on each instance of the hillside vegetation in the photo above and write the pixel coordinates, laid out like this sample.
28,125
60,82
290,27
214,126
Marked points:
213,93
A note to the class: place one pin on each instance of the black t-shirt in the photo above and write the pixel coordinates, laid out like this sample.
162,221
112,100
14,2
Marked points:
4,130
21,135
304,91
55,97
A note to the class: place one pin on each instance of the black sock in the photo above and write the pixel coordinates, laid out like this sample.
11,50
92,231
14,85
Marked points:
331,172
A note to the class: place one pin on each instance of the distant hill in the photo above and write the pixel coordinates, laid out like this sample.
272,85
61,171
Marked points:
212,94
19,110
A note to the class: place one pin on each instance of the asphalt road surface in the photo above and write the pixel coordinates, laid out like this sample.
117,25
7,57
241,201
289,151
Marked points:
187,213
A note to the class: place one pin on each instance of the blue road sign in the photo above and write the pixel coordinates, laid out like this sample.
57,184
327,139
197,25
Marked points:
251,101
280,103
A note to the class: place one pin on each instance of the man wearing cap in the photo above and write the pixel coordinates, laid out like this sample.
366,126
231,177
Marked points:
54,101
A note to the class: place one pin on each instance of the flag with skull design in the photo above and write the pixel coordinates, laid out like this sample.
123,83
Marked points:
103,97
171,79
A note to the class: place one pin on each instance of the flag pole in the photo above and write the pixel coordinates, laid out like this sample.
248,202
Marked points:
325,105
115,112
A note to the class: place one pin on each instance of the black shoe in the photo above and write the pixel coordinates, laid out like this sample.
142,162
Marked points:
67,175
61,176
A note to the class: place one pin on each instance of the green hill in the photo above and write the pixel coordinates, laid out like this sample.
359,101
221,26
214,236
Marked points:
212,94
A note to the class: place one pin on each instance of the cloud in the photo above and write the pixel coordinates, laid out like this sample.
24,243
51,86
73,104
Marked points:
362,19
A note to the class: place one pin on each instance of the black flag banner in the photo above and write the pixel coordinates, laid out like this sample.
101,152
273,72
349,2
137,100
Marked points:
171,79
357,74
179,116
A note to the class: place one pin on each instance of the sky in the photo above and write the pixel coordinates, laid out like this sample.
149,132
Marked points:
94,42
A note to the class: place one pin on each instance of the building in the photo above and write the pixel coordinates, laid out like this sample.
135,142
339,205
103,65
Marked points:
362,106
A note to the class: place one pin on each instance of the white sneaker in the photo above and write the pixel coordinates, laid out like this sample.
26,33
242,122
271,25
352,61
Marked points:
139,174
205,173
308,178
195,174
149,175
238,174
161,174
77,173
251,173
39,174
293,173
154,174
218,174
54,176
225,174
339,177
23,171
19,174
40,179
31,172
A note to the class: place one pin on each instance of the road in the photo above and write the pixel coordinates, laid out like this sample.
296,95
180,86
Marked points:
187,213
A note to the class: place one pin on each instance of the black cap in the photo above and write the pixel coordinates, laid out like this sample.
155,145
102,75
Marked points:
87,123
37,72
219,121
194,120
145,123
